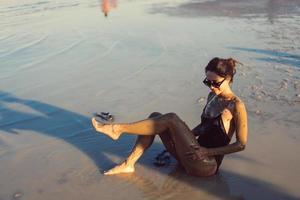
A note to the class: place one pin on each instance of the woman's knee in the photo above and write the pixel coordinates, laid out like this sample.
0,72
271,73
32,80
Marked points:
166,121
175,121
172,116
154,114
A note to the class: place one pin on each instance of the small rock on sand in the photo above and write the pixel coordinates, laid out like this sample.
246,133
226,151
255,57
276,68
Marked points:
17,195
288,70
254,87
285,80
258,97
283,85
263,92
296,85
201,99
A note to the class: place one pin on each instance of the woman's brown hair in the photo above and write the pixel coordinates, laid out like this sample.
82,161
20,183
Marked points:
223,67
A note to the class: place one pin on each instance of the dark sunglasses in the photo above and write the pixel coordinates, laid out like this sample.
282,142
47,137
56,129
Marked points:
215,84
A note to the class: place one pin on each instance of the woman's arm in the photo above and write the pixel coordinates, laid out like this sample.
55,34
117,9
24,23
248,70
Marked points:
240,117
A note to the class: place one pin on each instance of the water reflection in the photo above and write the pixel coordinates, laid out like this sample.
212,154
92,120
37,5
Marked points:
107,5
230,8
275,8
178,185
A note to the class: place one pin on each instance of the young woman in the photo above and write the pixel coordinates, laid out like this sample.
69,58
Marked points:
200,151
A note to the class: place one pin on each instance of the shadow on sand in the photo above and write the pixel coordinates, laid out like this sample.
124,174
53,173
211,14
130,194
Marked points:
273,56
76,130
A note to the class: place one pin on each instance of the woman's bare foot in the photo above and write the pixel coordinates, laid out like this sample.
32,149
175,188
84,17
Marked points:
108,129
121,168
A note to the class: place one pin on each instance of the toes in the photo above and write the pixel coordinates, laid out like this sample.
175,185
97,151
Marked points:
107,172
95,123
110,172
119,169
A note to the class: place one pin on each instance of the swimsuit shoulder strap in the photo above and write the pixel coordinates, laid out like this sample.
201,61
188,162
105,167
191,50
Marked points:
210,96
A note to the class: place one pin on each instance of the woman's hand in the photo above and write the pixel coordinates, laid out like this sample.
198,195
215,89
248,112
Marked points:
198,152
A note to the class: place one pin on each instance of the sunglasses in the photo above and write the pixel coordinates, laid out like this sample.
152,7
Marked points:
215,84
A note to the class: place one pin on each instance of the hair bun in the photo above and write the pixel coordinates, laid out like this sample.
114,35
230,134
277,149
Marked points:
223,67
231,62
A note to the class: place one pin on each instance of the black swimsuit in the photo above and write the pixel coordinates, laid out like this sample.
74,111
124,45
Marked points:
211,132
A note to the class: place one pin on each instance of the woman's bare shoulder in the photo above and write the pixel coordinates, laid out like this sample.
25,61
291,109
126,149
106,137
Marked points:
237,99
238,103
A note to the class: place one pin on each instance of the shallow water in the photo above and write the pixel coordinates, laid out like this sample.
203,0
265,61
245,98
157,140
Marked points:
61,61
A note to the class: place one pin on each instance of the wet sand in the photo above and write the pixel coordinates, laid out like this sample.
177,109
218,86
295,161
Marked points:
61,61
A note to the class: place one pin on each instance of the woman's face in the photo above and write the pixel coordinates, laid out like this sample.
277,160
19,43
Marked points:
216,83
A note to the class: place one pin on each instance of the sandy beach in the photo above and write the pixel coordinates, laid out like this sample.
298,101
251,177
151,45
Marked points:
62,61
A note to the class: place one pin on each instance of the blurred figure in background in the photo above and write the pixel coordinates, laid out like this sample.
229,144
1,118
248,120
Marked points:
107,5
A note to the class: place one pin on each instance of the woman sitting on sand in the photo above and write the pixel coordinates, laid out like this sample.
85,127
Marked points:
200,151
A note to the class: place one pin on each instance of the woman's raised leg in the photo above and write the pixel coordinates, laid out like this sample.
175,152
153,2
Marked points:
181,136
150,126
142,143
